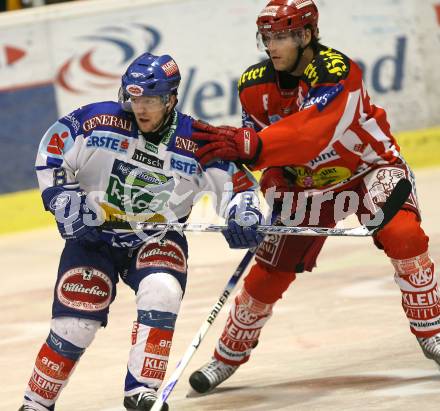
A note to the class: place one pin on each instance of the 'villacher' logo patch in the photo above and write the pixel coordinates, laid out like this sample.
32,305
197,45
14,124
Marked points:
85,288
166,254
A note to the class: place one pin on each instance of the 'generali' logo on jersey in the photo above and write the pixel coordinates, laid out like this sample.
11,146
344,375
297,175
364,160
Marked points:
186,145
107,120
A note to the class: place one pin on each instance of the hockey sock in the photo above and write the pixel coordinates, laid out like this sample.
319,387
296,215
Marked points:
148,359
53,366
245,321
405,242
420,294
158,300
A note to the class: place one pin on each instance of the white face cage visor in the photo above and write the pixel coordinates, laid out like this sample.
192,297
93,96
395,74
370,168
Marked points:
151,103
265,37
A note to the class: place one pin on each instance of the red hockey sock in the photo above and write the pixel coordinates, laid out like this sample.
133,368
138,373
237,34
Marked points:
49,376
267,285
405,242
245,321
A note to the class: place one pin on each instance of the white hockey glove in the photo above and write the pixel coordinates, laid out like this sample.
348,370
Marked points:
243,218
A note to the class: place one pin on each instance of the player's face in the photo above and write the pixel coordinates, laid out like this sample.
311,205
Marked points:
150,112
283,50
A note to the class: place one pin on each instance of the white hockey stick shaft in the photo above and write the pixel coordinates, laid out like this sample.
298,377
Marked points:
165,392
393,203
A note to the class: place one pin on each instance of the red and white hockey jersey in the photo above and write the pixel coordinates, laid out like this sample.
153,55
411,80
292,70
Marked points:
324,118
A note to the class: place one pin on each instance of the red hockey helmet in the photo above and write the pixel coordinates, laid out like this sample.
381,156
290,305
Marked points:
288,15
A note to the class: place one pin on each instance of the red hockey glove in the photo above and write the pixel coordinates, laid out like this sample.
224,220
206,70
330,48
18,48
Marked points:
226,143
207,129
276,177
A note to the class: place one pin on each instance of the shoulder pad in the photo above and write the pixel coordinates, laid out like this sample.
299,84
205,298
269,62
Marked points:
328,67
105,107
259,73
106,114
184,124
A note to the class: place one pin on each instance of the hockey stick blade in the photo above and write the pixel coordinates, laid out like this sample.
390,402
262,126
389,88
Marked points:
392,205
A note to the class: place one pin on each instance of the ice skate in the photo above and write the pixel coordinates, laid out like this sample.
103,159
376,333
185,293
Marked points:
210,375
431,347
143,401
33,407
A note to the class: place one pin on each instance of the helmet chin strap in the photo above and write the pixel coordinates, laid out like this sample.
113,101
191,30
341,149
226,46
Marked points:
298,59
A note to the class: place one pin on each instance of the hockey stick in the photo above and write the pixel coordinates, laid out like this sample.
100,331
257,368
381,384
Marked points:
392,205
130,225
382,216
174,378
165,392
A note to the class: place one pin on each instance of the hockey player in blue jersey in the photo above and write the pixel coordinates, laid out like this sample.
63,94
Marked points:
118,161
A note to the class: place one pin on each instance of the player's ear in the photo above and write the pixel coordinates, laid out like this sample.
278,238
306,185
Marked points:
172,102
307,37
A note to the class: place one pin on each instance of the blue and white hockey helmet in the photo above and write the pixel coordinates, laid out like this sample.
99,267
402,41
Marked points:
149,75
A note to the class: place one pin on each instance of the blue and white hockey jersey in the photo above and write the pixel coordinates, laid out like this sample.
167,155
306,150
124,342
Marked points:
100,147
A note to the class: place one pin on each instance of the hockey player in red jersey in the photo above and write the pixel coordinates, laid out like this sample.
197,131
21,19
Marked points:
309,123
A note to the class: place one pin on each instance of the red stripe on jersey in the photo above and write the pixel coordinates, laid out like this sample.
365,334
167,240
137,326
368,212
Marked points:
306,133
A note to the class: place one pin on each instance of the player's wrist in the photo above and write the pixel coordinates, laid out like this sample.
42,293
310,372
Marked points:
249,145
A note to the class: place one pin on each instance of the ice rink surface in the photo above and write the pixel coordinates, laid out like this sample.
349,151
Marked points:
338,340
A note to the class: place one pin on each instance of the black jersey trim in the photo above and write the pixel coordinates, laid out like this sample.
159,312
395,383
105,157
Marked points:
259,73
